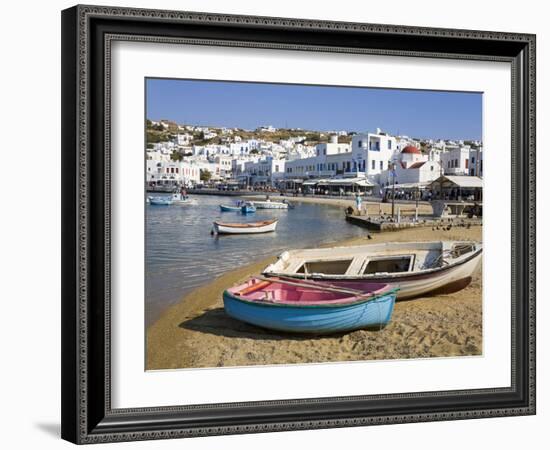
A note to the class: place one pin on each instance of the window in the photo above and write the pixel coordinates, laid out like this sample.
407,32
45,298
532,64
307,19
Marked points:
373,164
382,164
389,145
432,168
473,159
466,163
391,264
360,144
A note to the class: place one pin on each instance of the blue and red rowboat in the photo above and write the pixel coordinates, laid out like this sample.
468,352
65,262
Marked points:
309,307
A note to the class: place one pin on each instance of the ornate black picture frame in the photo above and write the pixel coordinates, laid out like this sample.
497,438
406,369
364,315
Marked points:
87,34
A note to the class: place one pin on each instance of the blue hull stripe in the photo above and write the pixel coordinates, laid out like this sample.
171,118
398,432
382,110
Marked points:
319,320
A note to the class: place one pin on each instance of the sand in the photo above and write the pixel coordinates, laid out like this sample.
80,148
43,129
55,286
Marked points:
197,333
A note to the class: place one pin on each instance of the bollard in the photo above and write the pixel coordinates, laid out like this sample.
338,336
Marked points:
416,214
398,214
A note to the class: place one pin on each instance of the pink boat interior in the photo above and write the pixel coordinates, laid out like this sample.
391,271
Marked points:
296,292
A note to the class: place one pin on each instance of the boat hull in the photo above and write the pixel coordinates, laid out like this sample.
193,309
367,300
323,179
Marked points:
159,201
248,209
225,208
188,201
220,228
371,314
443,280
270,205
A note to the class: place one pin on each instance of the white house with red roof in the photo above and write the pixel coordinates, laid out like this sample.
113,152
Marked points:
412,166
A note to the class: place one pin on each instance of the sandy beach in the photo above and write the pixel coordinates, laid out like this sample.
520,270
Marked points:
197,333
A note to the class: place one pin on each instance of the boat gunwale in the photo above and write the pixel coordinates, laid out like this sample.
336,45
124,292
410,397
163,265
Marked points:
268,303
260,224
384,275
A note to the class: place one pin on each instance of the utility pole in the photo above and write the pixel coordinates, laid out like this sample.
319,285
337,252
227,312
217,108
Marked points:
393,192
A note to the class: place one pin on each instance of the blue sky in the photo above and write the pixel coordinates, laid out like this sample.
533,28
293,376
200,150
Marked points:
423,114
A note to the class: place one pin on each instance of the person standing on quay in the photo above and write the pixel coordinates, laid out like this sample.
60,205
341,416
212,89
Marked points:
358,202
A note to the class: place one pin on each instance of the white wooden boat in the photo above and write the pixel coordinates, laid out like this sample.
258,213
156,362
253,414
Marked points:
264,226
178,199
268,204
416,268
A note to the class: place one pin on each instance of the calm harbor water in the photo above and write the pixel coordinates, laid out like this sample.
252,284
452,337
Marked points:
181,254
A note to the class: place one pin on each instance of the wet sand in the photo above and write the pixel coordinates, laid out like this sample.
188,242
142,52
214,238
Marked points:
197,333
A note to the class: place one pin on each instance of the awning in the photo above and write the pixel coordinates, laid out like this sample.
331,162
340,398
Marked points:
422,185
464,182
362,182
311,182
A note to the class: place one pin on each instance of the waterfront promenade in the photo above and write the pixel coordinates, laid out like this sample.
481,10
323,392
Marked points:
373,205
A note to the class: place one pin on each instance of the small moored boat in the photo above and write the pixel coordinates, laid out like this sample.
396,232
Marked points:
307,307
160,201
248,208
179,199
268,204
228,208
416,268
264,226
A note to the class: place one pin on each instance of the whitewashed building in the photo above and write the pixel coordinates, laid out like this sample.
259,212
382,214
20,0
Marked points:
224,168
475,166
457,160
372,153
267,171
172,172
412,167
183,139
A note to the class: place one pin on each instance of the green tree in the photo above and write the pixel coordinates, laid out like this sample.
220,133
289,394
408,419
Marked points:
176,156
205,175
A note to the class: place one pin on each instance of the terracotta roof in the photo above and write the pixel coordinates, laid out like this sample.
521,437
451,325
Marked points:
417,165
410,149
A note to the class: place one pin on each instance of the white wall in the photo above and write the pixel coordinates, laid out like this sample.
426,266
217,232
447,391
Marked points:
30,232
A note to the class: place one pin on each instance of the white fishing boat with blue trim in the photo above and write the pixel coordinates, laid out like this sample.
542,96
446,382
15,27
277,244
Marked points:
268,204
161,201
179,199
416,268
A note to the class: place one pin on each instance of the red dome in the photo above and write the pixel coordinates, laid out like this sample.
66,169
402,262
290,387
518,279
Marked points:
410,149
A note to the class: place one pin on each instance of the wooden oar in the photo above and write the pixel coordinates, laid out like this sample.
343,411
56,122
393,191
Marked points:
319,287
312,283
